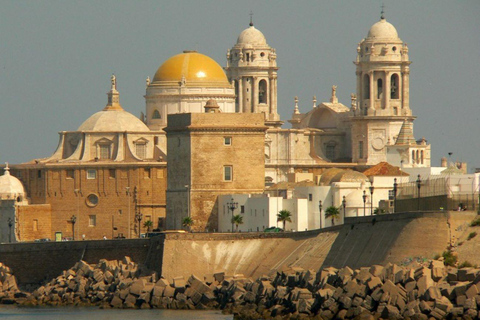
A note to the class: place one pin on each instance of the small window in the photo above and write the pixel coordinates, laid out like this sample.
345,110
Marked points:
227,173
39,174
141,150
360,149
112,173
35,224
242,209
104,151
310,197
379,88
92,220
91,174
147,173
156,115
330,152
391,195
227,141
70,174
92,200
262,54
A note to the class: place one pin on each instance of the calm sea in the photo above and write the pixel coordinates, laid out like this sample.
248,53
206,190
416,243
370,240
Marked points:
70,313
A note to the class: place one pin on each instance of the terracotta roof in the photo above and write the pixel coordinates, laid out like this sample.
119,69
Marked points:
384,169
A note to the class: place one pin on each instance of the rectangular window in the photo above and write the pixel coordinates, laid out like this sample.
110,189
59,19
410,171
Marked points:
330,152
390,195
35,225
360,149
92,220
227,141
242,209
70,174
112,173
39,174
146,173
227,173
310,197
91,174
104,151
141,150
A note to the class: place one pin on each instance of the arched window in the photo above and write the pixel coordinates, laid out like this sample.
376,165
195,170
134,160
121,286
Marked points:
366,86
156,115
236,93
262,91
417,157
413,156
421,156
379,88
394,86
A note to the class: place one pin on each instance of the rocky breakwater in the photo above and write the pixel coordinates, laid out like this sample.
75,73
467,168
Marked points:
429,291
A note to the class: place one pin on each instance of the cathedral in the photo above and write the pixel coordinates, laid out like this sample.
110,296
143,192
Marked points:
109,178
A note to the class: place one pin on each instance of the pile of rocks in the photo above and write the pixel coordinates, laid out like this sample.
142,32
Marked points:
9,292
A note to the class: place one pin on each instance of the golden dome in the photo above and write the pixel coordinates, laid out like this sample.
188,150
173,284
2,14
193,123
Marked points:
192,69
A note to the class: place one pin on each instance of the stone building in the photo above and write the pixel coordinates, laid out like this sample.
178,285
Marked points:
101,179
210,154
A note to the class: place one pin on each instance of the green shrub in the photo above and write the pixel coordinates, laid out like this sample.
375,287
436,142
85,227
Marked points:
475,223
471,235
449,259
465,264
436,256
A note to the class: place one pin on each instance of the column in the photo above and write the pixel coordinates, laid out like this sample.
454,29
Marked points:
387,90
240,95
255,94
372,92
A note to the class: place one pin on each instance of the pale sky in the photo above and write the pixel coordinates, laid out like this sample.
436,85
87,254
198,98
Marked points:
57,58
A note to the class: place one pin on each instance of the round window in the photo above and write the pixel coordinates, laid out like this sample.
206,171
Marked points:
262,54
92,200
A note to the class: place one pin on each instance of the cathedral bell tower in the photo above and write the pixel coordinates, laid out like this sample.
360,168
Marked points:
382,70
252,68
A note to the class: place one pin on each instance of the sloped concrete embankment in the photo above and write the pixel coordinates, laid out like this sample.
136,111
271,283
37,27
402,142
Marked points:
363,241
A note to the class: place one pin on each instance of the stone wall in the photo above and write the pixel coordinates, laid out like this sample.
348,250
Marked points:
34,222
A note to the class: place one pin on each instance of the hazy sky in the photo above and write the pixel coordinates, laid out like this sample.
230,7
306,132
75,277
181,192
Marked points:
57,57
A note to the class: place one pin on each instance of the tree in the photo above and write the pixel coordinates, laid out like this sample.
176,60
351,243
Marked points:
237,220
332,212
187,222
284,216
148,224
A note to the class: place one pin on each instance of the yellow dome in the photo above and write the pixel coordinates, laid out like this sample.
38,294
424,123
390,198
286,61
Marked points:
193,68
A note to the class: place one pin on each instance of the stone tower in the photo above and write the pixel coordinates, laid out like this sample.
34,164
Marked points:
382,93
252,67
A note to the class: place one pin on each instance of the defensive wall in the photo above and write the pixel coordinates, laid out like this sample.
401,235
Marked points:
361,241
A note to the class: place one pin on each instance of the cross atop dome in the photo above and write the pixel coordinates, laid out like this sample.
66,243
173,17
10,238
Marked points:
251,19
382,16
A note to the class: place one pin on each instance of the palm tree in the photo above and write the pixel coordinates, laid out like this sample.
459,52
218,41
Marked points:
148,224
284,216
187,222
237,219
332,212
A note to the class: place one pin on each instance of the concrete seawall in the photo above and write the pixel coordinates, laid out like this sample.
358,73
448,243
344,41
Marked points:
359,242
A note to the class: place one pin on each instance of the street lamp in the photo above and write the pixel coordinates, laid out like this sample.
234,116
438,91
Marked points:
232,206
73,219
188,200
419,185
10,225
344,204
128,199
77,193
364,201
139,218
372,188
395,186
320,209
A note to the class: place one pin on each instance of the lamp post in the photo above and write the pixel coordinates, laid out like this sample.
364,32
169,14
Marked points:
395,186
188,200
10,225
73,219
128,199
344,204
232,206
320,209
77,193
419,185
364,201
372,188
139,218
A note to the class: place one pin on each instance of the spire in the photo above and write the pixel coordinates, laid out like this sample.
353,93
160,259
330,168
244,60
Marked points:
314,101
7,169
382,16
251,19
405,136
113,96
295,110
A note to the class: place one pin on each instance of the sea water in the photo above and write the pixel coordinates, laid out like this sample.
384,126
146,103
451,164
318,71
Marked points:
75,313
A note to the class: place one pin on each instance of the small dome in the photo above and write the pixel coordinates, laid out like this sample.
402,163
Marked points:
191,68
252,36
113,121
327,175
349,176
383,30
10,186
355,199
